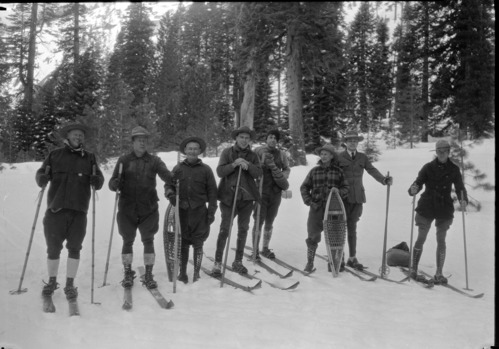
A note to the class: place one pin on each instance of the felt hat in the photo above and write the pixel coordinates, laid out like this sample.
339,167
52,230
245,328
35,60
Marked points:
73,126
327,147
200,141
243,129
352,135
139,131
442,144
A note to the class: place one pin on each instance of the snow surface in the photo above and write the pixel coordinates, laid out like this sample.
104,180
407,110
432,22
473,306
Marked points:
323,312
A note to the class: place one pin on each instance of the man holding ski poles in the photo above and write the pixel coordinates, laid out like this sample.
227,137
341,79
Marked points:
315,192
197,187
70,172
138,203
234,161
353,163
275,179
435,204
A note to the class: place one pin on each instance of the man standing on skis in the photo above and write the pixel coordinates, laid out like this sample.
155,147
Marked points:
234,159
435,204
71,171
197,187
275,179
315,191
353,163
138,203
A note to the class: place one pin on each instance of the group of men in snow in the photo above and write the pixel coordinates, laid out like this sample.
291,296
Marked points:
72,171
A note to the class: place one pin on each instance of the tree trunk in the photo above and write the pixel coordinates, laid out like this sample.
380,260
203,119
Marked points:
248,104
28,88
293,83
426,75
76,34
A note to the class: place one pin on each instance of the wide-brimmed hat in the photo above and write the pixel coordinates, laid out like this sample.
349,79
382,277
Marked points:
73,126
352,135
243,129
139,131
330,148
442,144
200,141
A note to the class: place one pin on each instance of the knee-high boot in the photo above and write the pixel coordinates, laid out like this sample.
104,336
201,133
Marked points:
184,258
198,258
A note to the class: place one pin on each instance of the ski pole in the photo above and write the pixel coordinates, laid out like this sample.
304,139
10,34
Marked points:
256,238
384,271
120,169
412,233
177,233
464,239
230,226
93,241
20,289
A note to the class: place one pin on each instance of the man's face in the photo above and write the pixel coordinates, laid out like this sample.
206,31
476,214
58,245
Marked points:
192,151
76,138
139,145
443,154
271,141
325,156
352,144
243,140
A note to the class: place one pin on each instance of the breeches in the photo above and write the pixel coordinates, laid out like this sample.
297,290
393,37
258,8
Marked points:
129,222
69,225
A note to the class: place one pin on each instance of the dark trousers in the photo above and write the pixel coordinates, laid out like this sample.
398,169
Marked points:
243,213
315,225
353,211
129,222
194,225
268,210
65,224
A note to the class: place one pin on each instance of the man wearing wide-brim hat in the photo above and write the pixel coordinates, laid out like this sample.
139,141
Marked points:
315,191
197,188
138,203
353,164
72,171
236,159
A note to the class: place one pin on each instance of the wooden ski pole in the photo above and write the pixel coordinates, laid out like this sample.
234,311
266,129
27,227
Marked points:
463,213
120,169
93,240
384,271
256,238
230,226
20,289
177,236
412,233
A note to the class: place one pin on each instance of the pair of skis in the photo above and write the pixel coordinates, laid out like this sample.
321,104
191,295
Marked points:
162,301
228,281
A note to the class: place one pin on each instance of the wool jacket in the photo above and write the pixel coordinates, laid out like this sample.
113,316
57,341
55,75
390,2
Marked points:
197,185
138,182
319,181
436,200
69,175
354,171
228,174
275,176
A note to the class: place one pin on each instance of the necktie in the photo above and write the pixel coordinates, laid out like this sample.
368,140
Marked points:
353,155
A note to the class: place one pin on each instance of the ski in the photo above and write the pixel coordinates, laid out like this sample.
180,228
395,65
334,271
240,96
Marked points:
284,264
127,299
429,284
354,272
267,267
401,282
253,277
454,288
73,307
163,303
231,282
48,304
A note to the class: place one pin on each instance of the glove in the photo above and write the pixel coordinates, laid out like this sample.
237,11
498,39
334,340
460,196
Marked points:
414,189
211,219
388,180
43,179
464,204
173,200
269,161
241,162
114,184
94,180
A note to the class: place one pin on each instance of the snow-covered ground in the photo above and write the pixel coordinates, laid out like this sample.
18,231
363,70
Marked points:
321,313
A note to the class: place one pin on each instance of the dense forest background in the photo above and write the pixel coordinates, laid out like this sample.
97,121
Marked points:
206,68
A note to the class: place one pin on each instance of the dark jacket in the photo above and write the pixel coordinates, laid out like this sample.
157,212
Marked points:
275,179
138,189
70,178
436,200
228,174
197,185
319,181
354,171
